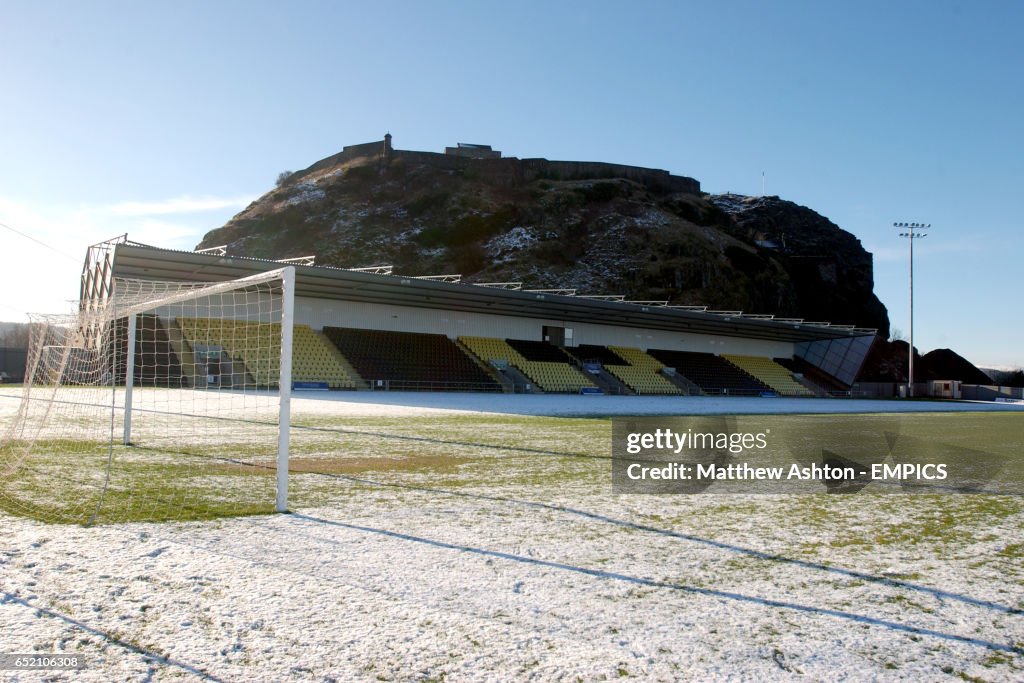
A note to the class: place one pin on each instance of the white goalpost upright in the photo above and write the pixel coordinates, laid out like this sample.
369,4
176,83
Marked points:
129,378
163,400
285,386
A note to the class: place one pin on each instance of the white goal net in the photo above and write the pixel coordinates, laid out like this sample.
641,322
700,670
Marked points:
165,401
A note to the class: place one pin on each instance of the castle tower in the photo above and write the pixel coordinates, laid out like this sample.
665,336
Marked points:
387,146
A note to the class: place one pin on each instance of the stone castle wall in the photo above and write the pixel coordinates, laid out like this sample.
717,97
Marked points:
513,171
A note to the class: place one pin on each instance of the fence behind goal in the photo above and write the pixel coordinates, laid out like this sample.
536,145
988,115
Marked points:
167,401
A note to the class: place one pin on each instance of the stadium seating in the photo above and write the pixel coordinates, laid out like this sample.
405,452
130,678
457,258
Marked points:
592,352
255,350
156,363
315,359
641,372
548,375
538,351
344,357
713,374
410,360
771,373
253,347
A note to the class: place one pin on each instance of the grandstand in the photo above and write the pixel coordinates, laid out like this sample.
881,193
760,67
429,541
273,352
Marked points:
438,334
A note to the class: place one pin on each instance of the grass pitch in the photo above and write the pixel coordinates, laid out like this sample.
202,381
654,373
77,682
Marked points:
486,544
69,481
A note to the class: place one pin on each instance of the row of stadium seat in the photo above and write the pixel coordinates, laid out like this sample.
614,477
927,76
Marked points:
314,359
713,374
771,373
549,375
434,361
257,346
643,372
592,352
410,359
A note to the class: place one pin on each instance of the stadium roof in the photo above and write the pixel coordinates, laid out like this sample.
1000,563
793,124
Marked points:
133,260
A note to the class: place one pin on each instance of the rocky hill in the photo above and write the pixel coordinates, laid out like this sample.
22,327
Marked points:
939,364
598,228
887,362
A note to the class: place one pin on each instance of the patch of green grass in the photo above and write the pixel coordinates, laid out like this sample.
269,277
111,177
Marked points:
1013,550
518,456
77,482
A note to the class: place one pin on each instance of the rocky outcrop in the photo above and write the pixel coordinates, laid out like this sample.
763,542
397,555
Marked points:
946,364
888,360
831,272
598,228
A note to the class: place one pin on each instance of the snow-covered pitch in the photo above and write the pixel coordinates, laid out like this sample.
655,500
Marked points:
476,537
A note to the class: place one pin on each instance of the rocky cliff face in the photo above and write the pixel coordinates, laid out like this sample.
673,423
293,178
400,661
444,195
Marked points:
647,236
830,272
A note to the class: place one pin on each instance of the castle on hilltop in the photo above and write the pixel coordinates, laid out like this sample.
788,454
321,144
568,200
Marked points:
492,166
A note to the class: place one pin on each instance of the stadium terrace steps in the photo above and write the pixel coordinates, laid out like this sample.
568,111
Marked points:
713,374
608,382
641,372
410,360
548,375
507,383
771,373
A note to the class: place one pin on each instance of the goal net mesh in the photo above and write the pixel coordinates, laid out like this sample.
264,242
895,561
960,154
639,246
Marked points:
181,424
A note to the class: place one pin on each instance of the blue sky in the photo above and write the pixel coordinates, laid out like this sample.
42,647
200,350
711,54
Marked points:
164,119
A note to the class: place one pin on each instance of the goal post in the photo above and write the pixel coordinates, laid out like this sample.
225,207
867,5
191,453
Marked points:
129,377
285,386
166,400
